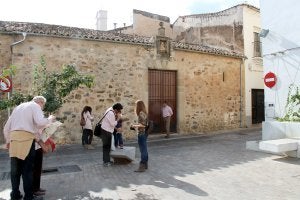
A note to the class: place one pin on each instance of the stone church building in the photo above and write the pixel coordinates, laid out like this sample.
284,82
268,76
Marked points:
204,85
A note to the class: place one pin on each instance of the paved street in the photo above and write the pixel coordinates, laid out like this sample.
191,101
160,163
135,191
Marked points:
197,167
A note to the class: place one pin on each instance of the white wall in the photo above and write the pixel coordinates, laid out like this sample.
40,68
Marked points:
253,66
283,21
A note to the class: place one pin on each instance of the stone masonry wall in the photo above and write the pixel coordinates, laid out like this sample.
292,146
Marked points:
209,92
205,101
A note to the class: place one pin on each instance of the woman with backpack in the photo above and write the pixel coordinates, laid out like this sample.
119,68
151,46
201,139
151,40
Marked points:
87,127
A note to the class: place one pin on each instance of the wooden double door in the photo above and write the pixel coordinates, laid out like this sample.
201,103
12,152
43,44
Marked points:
162,87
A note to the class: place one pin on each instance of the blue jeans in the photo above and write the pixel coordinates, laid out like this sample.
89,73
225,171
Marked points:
142,140
118,139
22,168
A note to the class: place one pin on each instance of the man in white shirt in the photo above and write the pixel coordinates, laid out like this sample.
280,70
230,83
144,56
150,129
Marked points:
112,115
167,113
19,132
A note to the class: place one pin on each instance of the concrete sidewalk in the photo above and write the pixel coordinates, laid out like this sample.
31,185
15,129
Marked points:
214,167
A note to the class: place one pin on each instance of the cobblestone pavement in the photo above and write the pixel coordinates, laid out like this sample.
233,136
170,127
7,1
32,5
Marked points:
216,167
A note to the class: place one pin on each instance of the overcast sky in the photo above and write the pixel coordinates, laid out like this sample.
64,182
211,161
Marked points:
79,13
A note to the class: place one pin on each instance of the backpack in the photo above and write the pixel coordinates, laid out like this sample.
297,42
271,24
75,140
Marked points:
149,127
82,121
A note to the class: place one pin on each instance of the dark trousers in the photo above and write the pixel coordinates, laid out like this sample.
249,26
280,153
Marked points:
142,140
37,169
87,136
22,168
106,140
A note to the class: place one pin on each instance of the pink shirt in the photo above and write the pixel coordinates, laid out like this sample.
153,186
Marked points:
88,120
109,121
167,111
25,117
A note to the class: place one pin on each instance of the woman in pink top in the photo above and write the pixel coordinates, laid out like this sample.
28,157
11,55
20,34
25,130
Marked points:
87,129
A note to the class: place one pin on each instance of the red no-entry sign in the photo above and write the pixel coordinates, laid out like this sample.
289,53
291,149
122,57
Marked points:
270,79
5,84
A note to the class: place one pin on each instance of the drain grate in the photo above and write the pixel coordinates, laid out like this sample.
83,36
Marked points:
50,171
47,171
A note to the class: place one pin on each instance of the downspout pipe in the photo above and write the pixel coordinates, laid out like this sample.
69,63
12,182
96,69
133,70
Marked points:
11,59
241,89
15,43
241,92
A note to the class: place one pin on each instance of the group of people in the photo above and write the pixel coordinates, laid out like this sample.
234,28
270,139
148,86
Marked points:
87,128
111,126
23,133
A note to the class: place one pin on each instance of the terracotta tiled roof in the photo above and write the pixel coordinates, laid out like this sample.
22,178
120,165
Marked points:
81,33
71,32
205,49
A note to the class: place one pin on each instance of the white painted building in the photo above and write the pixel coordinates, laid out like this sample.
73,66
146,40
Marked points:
280,38
281,54
254,93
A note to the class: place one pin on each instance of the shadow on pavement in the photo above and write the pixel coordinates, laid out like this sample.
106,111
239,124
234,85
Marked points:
171,163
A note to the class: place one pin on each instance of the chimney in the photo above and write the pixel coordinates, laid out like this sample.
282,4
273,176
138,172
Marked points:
101,18
161,29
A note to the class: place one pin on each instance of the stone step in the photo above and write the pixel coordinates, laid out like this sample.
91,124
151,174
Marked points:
127,154
279,145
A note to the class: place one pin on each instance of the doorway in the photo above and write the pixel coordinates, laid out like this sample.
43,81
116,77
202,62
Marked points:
162,87
258,106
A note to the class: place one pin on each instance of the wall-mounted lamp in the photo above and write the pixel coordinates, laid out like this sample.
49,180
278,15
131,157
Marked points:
263,33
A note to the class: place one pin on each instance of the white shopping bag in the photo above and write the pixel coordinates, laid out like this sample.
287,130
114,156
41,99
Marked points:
112,146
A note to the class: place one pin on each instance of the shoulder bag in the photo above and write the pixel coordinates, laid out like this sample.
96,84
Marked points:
97,130
82,121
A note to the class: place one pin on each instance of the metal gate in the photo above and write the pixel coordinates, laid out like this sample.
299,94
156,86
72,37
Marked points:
162,87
